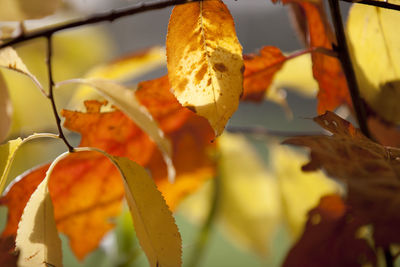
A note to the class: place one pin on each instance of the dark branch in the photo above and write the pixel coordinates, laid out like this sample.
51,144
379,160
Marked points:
109,16
375,3
50,95
344,57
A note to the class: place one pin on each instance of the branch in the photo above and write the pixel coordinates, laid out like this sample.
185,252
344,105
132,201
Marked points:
108,16
51,95
344,57
375,3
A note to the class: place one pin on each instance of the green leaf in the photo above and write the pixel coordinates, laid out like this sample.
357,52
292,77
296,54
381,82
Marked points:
5,110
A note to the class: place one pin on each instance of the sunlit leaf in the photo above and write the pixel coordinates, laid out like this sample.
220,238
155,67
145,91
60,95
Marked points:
5,110
248,197
154,224
300,191
9,59
375,47
126,101
37,237
7,154
204,60
85,187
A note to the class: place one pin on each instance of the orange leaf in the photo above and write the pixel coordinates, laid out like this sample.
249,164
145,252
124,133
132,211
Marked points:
259,72
327,70
330,238
86,188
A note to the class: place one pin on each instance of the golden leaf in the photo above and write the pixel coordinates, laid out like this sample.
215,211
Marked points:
37,237
204,59
375,44
5,110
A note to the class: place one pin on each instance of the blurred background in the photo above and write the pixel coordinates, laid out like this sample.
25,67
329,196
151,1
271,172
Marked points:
258,23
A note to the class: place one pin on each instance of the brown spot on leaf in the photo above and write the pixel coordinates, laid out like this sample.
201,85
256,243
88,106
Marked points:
200,73
220,67
209,82
182,85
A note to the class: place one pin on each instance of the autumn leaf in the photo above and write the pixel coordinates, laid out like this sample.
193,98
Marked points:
86,189
299,191
204,60
375,46
123,98
259,72
9,59
154,224
18,10
384,132
327,69
371,172
5,110
331,238
37,237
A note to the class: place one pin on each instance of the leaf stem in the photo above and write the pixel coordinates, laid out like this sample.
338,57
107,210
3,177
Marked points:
376,3
50,95
107,16
204,234
344,57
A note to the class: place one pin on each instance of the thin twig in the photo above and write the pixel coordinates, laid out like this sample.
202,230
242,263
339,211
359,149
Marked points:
344,57
375,3
50,95
108,16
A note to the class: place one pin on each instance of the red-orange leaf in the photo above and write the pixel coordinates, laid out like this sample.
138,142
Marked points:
327,70
259,72
86,188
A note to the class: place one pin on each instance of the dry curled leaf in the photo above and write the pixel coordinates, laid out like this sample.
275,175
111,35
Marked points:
204,60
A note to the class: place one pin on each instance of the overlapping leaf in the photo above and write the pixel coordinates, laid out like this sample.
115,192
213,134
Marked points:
37,237
86,189
204,59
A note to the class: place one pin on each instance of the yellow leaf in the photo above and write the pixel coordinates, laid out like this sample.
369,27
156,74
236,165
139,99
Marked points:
204,59
7,154
126,101
37,237
300,191
375,45
154,224
5,110
18,10
126,68
249,206
296,75
9,59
